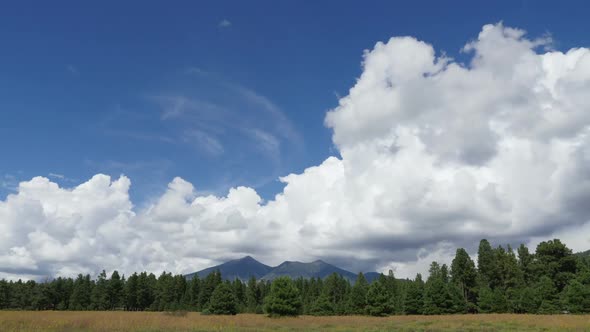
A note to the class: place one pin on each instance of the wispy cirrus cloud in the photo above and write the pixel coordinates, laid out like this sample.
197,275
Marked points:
220,110
205,142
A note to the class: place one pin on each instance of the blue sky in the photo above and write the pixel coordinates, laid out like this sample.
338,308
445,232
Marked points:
390,163
84,87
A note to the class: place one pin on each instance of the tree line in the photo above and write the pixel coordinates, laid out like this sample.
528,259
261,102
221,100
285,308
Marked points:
550,280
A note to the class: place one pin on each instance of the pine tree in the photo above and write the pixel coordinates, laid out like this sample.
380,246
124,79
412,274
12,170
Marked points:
99,296
208,285
284,298
464,275
131,293
438,298
335,288
524,263
253,296
358,296
322,306
80,299
457,304
414,301
378,302
145,292
486,265
240,294
115,291
223,300
194,287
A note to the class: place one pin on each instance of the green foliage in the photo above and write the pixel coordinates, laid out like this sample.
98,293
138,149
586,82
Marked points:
547,296
207,287
322,306
358,295
223,300
81,295
555,261
550,280
378,302
576,297
414,300
192,293
464,275
284,298
115,291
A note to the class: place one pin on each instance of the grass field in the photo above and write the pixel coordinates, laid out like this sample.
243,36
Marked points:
155,321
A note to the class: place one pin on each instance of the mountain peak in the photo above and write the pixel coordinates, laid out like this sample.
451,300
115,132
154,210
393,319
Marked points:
242,268
246,267
247,259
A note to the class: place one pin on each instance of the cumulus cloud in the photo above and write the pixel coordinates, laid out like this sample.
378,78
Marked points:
435,154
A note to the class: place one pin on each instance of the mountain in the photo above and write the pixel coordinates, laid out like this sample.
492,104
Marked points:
371,276
243,269
247,267
317,269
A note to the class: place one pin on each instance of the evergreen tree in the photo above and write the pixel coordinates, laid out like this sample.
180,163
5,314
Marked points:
240,294
439,298
131,293
253,296
486,299
393,292
378,302
456,304
208,285
99,296
464,275
284,298
524,263
335,289
80,299
194,287
115,291
358,296
486,263
145,292
322,306
414,301
223,300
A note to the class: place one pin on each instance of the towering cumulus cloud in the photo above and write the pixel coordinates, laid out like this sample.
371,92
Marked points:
434,154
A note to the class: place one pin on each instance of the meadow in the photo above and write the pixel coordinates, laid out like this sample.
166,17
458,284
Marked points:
73,321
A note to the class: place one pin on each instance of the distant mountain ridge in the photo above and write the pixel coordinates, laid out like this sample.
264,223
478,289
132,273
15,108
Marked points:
247,267
243,269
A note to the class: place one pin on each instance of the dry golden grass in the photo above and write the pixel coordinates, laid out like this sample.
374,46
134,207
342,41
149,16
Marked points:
155,321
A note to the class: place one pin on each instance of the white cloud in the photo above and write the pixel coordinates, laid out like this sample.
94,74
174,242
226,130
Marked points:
224,23
435,155
205,142
73,70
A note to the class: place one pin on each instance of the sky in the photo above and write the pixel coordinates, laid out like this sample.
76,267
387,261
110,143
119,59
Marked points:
174,136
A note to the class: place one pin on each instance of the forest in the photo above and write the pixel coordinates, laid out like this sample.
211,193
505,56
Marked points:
550,280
